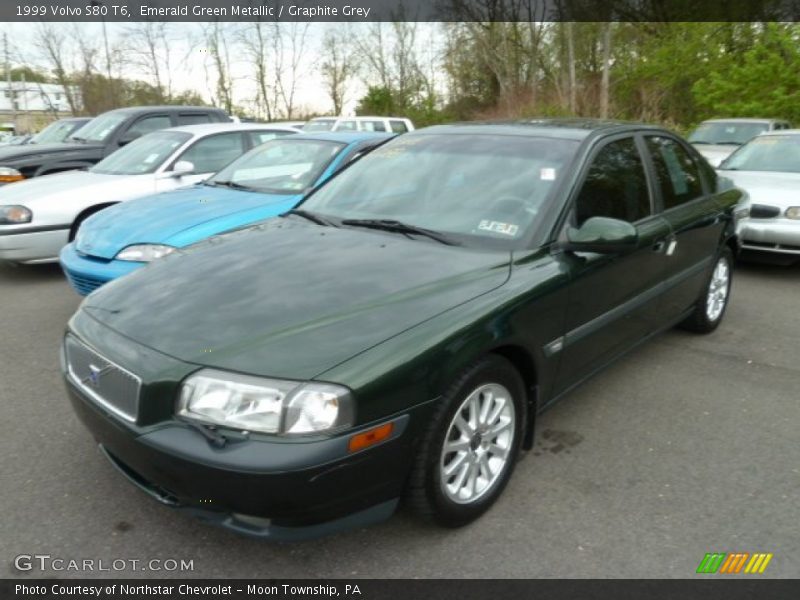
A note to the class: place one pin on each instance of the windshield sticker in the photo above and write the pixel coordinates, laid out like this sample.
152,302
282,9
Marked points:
498,227
547,174
151,158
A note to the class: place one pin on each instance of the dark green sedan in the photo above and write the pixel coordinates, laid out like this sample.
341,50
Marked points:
395,336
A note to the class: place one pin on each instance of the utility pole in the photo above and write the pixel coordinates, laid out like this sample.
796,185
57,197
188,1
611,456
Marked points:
8,83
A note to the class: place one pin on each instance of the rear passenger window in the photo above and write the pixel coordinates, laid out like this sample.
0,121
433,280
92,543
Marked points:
678,174
347,126
259,137
615,185
373,126
212,153
398,126
193,118
148,124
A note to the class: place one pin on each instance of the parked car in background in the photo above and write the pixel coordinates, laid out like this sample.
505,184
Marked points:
716,139
38,217
390,124
396,335
265,182
59,131
768,169
98,138
16,140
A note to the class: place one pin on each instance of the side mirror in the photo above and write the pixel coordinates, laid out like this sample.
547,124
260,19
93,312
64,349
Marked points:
128,137
181,168
603,236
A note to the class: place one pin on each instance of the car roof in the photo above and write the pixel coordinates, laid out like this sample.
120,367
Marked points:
576,129
166,107
779,132
744,120
357,118
209,128
346,137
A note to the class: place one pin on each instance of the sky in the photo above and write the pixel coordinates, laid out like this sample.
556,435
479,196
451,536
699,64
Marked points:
310,93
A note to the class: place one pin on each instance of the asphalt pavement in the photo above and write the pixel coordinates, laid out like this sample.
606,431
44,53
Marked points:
687,445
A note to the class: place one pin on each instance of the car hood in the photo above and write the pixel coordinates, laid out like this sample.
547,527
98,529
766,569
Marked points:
290,299
715,153
39,190
764,187
31,150
177,218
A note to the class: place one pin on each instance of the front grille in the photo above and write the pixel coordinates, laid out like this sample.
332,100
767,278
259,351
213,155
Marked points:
82,284
104,382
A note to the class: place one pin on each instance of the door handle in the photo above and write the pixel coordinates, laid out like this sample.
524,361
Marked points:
666,245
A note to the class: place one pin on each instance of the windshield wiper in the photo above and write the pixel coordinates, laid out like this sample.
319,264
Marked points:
729,143
699,142
313,217
399,227
229,184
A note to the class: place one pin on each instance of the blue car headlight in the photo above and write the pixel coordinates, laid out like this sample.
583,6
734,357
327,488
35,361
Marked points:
144,252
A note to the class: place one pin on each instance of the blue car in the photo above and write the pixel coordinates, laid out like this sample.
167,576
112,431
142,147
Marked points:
265,182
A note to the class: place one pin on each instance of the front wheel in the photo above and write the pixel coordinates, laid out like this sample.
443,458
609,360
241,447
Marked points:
469,450
711,305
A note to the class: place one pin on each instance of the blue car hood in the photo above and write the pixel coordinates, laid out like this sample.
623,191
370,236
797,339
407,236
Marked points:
177,218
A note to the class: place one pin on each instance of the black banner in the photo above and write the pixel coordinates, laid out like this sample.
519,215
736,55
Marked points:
736,588
399,10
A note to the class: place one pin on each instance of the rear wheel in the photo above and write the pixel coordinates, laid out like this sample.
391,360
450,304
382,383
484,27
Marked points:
470,448
711,305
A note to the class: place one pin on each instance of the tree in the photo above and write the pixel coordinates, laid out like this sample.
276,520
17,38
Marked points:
764,83
338,66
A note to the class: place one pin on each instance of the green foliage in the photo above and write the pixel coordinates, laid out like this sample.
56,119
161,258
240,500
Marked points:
765,82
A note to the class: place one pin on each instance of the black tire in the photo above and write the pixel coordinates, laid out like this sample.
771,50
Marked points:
425,493
700,321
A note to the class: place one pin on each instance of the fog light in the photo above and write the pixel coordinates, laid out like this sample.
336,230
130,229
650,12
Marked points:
793,212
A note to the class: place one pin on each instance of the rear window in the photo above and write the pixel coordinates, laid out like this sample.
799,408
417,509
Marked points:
194,118
320,125
398,126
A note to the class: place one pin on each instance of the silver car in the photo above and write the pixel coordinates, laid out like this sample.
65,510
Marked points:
768,169
716,139
41,215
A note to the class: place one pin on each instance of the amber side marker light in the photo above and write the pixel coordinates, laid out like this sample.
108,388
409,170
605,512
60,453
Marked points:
11,178
370,437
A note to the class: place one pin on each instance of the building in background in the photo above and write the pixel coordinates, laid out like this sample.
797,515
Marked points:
29,106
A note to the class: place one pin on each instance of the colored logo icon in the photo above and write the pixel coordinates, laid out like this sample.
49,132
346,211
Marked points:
734,563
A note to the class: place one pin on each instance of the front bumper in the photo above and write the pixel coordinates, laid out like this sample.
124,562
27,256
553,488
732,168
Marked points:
32,244
778,235
87,273
269,488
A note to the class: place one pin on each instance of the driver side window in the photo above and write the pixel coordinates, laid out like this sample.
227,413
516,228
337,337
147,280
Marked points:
615,185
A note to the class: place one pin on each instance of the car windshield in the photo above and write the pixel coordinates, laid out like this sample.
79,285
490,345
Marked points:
473,188
144,155
320,125
282,166
726,133
53,133
767,153
100,128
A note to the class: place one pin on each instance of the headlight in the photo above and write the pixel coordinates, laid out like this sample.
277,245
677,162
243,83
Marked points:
15,214
144,252
9,175
793,212
266,405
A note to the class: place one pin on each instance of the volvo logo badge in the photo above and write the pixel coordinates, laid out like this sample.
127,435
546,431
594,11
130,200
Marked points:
94,375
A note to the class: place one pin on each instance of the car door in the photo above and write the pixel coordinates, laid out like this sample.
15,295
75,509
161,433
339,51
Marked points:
697,223
208,154
613,299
